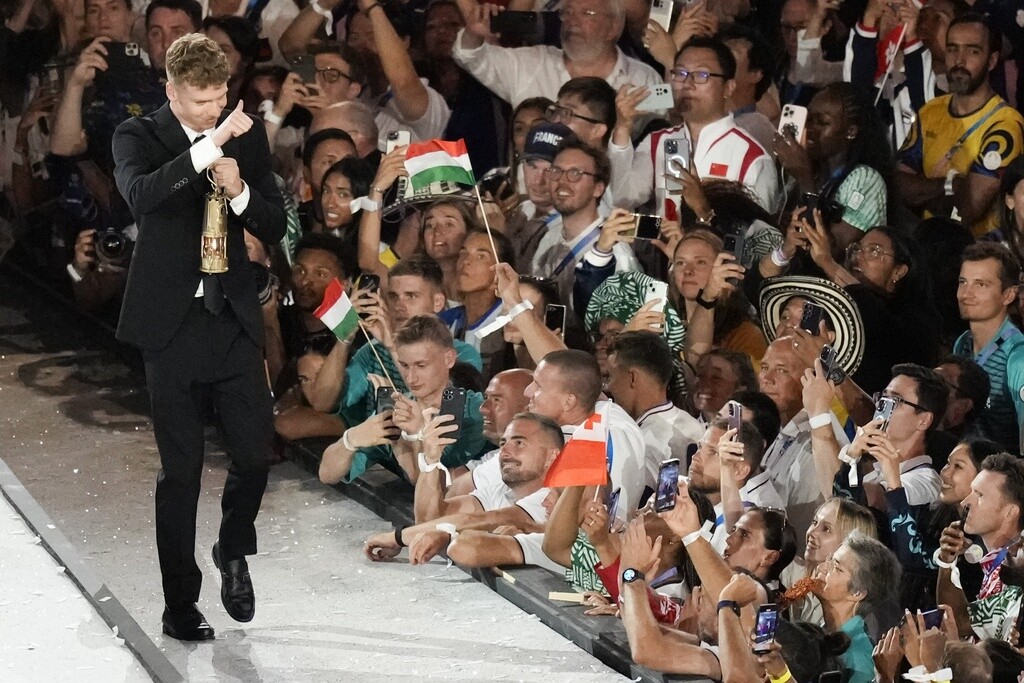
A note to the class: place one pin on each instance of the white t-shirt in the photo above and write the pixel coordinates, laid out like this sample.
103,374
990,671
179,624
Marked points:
533,553
427,127
668,433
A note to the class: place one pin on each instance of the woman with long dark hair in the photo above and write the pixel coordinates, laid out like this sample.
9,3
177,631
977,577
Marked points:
1011,189
842,162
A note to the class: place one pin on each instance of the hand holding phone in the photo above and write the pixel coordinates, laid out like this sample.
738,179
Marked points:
453,402
810,321
554,318
764,629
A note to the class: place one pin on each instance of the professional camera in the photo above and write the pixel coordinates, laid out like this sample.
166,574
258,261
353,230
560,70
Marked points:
111,245
831,210
265,281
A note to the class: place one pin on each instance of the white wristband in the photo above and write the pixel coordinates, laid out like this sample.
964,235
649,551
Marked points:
822,420
948,185
417,436
326,14
522,306
779,257
704,532
272,118
75,275
448,528
346,443
430,467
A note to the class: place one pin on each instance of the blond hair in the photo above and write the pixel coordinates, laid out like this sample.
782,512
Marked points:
198,61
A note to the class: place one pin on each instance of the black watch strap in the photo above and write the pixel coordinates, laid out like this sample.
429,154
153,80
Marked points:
730,604
629,575
702,302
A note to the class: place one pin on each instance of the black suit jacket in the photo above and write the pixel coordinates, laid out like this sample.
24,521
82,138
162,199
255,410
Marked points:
166,196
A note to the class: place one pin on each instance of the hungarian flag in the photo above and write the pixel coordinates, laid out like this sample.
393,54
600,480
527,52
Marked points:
337,312
436,161
584,458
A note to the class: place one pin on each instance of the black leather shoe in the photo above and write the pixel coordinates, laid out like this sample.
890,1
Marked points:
186,622
236,587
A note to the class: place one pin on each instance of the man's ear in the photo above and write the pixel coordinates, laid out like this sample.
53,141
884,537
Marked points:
450,357
730,87
596,194
172,95
439,302
925,421
355,89
769,558
1010,295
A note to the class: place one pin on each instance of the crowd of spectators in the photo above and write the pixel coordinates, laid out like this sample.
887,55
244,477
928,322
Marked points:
778,241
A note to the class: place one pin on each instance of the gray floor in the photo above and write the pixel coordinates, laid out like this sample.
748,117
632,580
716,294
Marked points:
72,428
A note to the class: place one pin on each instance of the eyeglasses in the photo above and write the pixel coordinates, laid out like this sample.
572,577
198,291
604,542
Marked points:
332,75
699,77
558,114
872,252
573,175
898,400
566,15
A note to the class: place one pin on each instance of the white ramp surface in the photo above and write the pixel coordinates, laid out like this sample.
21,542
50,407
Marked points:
48,630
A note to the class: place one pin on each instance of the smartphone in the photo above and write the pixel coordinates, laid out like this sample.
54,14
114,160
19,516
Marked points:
399,138
305,67
735,416
123,61
659,99
453,402
646,226
764,630
554,318
517,25
883,409
793,121
370,281
963,516
677,160
933,618
657,290
811,201
810,321
661,12
612,504
385,403
733,243
668,486
828,359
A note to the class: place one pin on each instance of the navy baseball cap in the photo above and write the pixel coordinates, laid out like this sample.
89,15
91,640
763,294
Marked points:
543,139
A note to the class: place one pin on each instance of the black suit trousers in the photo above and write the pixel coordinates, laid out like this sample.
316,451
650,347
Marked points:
210,361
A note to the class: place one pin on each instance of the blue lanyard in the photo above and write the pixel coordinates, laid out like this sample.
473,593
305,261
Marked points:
577,250
496,306
992,346
970,131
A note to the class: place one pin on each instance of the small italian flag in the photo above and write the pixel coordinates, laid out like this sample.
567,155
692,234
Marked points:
337,312
436,161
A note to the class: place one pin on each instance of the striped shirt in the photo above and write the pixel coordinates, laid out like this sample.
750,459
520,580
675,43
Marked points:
1003,360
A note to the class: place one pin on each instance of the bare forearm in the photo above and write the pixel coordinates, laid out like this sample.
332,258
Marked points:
326,386
539,340
825,450
410,94
482,549
916,190
428,501
700,333
300,33
973,198
369,238
487,520
563,526
948,594
335,463
738,664
857,403
273,350
67,136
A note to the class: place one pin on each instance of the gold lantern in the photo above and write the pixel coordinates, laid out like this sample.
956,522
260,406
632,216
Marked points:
214,254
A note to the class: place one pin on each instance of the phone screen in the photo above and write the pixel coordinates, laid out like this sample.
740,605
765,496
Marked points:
764,631
516,24
612,503
647,227
668,486
933,618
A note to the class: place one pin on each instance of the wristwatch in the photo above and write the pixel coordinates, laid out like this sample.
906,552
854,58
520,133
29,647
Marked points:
630,575
731,604
704,303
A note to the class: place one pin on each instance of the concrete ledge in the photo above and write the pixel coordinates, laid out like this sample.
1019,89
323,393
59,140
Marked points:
92,587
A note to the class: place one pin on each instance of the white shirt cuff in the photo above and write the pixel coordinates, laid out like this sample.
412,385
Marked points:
204,153
241,202
599,259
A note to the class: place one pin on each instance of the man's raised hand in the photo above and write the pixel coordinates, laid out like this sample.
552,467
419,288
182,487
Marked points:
237,123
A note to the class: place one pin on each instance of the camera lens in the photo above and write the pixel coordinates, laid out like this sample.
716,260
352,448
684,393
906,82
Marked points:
264,280
110,244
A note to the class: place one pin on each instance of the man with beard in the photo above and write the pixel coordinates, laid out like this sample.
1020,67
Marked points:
952,160
529,445
589,33
707,138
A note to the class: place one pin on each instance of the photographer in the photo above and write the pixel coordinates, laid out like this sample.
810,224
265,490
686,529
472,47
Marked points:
99,268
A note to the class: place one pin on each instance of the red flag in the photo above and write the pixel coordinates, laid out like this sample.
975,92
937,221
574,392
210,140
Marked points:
584,458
